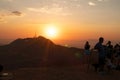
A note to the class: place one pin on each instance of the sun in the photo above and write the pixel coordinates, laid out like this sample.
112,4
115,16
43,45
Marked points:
51,31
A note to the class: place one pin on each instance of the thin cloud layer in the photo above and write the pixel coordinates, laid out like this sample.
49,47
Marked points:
100,0
55,10
10,0
91,3
50,7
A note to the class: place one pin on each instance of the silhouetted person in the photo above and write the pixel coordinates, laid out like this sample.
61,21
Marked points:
109,48
101,54
87,48
109,55
117,54
87,53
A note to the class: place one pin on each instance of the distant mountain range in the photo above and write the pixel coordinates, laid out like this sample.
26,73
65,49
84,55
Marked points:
37,52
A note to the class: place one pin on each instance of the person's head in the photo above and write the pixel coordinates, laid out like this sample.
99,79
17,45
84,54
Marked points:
101,39
87,42
109,42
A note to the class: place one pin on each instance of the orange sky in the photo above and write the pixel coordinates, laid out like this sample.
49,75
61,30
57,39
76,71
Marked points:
81,32
81,20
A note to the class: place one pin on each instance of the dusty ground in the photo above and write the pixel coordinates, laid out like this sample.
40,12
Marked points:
63,73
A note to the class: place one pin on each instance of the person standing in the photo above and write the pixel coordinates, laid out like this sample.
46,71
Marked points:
87,54
101,54
87,48
109,55
109,47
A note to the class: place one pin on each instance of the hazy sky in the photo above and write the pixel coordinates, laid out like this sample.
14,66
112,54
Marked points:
75,19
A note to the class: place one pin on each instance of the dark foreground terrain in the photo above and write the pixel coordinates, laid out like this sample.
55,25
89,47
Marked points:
61,73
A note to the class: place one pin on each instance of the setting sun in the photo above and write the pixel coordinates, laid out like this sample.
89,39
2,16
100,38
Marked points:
51,31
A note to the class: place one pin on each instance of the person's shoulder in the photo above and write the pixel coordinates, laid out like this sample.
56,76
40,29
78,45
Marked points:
96,46
97,43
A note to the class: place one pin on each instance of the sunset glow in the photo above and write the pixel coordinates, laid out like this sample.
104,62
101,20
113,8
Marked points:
51,31
60,19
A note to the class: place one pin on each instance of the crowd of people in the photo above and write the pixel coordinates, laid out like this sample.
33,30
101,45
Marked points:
107,54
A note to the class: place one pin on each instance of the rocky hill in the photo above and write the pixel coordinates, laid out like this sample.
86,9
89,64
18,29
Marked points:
37,52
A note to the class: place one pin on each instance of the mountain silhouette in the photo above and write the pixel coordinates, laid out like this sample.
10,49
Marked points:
37,52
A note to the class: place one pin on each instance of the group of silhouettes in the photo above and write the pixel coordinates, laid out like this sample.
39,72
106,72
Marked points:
107,55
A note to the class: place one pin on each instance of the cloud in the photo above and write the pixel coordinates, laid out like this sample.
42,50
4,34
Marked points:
46,10
55,10
103,0
10,0
4,15
75,0
16,13
34,9
100,0
91,3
